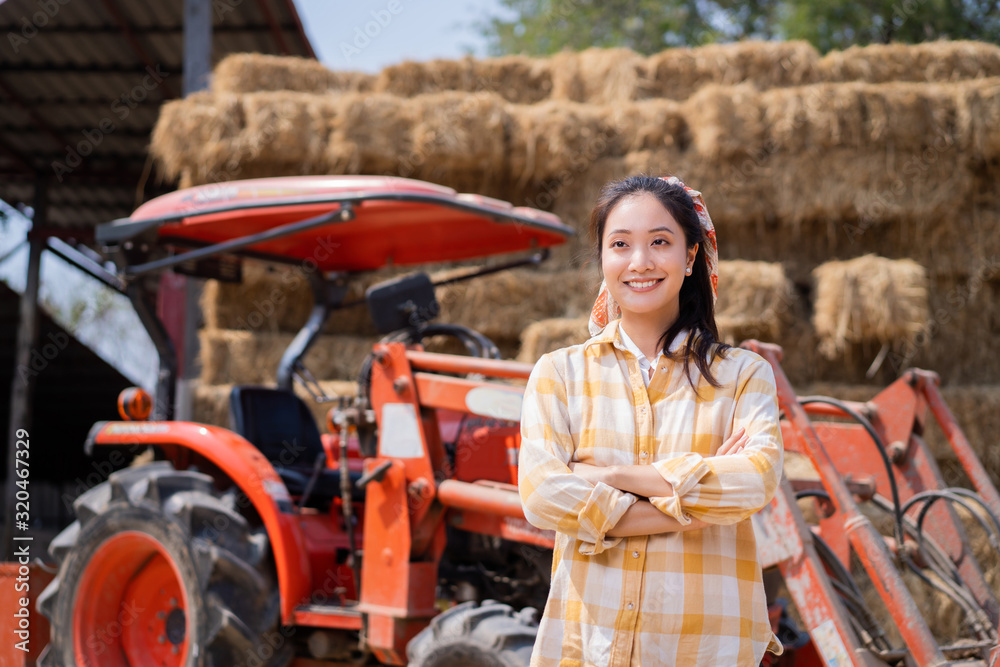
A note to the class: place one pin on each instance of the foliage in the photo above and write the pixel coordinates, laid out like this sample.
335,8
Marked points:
539,27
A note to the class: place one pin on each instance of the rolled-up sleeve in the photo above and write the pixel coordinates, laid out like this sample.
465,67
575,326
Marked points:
553,497
728,489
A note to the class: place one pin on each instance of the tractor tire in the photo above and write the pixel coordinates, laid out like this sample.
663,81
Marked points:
160,569
473,635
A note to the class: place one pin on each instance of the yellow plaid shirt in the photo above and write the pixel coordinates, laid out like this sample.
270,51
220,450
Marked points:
690,598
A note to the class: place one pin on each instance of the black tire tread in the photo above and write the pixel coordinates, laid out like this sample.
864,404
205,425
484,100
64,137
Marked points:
489,634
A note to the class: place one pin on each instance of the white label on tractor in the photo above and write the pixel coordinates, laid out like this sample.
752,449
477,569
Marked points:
399,432
496,403
830,645
137,428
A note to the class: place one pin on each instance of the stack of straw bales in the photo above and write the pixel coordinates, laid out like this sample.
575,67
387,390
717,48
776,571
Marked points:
614,75
808,164
869,298
906,155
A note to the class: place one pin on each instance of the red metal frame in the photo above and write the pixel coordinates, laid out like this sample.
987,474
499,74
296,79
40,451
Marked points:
406,512
842,450
381,219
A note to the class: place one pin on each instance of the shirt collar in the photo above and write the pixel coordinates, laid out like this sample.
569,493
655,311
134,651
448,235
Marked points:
610,334
634,349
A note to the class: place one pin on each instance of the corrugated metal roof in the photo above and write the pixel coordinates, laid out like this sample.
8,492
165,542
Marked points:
81,84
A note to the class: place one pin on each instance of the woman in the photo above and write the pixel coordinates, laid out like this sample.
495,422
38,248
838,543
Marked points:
647,449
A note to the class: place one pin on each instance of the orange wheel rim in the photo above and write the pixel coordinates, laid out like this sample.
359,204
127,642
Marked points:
131,607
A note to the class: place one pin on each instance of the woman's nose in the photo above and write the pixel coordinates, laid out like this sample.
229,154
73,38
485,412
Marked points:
640,260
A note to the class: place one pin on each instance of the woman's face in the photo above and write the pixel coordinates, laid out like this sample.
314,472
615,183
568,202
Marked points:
644,256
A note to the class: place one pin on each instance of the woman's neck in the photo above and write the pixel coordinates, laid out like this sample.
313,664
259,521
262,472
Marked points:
646,334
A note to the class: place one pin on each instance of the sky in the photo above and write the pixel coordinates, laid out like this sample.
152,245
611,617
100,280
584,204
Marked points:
369,35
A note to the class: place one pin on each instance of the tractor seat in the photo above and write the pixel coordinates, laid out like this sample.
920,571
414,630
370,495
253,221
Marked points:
278,423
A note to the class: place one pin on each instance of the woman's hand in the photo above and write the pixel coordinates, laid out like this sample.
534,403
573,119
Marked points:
735,443
644,480
592,473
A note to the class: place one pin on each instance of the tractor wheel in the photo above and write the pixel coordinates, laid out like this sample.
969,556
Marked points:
473,635
158,569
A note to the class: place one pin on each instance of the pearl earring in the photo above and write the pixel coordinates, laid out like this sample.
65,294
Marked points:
688,271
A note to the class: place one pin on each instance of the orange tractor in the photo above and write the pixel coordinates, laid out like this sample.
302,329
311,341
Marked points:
397,537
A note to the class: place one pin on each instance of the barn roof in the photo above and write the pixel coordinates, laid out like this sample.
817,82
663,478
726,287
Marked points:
81,85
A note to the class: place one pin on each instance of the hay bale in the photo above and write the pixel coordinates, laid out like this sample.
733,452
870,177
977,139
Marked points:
192,137
517,79
277,297
284,128
271,298
242,357
679,73
725,121
211,402
256,72
596,76
551,140
602,76
501,305
937,61
755,300
911,149
869,298
551,334
440,137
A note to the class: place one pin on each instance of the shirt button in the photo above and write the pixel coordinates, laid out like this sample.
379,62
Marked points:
635,554
629,605
643,455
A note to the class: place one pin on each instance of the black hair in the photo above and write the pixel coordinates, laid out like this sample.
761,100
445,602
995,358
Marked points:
696,300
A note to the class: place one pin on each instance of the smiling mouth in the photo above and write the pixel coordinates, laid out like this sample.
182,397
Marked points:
643,284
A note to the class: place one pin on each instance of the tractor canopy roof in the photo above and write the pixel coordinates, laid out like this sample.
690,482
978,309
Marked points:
342,223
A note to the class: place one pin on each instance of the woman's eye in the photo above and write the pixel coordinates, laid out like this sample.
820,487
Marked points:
660,242
617,244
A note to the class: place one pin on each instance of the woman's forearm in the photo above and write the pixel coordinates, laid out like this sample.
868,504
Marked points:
641,480
644,519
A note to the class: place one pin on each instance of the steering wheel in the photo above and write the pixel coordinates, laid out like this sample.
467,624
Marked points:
477,344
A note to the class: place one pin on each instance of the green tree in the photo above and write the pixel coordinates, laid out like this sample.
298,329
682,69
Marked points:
837,24
646,26
539,27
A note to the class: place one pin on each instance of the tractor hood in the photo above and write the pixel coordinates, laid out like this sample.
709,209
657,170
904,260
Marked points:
342,223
